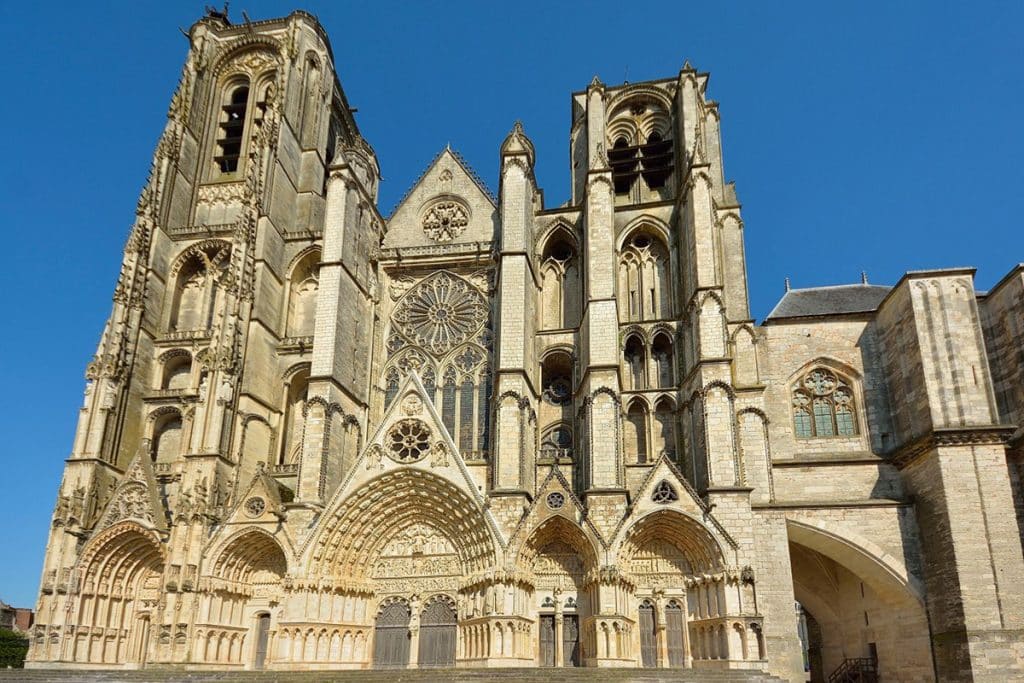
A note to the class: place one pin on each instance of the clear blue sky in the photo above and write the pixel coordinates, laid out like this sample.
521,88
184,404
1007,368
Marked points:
862,136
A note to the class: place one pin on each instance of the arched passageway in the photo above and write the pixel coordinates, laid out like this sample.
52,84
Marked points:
856,605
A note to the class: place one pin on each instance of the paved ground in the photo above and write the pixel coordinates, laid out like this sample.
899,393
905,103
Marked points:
393,676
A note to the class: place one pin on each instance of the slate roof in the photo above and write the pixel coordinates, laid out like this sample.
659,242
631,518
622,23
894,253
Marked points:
835,300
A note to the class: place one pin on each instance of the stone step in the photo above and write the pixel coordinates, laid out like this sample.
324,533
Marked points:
389,676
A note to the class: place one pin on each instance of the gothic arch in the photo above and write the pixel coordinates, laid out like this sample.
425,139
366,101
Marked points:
556,529
195,285
558,227
645,223
644,272
227,62
699,545
355,529
240,555
886,573
302,287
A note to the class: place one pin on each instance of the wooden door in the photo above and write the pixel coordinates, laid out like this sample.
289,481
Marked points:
391,637
674,625
547,640
648,638
570,640
437,636
262,634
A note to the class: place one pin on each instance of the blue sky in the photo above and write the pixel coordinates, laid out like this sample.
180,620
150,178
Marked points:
862,136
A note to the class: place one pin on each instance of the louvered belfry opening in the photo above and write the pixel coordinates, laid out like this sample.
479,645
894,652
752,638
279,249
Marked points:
652,160
232,126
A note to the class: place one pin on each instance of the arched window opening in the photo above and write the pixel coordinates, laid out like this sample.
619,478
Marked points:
656,159
303,287
199,292
661,349
823,405
294,420
232,128
556,379
636,361
466,421
311,107
665,429
167,438
556,442
625,163
177,372
560,284
644,278
448,402
390,387
635,428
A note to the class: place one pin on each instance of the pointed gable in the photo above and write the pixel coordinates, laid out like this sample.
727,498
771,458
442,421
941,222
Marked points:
411,435
449,204
136,497
261,502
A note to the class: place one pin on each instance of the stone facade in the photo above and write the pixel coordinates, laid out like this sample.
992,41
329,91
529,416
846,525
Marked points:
485,432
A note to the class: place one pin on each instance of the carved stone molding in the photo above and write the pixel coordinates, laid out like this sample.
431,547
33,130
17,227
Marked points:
955,436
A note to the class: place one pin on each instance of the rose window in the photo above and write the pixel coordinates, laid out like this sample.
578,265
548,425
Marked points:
445,220
664,493
440,313
555,500
408,441
255,506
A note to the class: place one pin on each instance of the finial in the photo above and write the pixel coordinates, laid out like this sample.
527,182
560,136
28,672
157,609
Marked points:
787,284
596,82
863,277
517,128
687,66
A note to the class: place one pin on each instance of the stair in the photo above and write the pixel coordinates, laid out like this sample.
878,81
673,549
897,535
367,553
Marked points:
389,676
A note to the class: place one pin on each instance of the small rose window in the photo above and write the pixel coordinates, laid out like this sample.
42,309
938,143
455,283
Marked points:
408,441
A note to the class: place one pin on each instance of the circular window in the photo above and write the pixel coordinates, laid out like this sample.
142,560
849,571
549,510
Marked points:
555,500
445,220
255,506
558,391
664,493
408,441
440,313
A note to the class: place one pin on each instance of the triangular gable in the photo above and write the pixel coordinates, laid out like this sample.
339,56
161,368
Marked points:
541,510
261,501
137,496
442,459
447,179
689,501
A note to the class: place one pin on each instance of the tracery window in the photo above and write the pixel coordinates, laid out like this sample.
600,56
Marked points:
664,493
823,405
199,290
304,283
644,280
408,441
560,284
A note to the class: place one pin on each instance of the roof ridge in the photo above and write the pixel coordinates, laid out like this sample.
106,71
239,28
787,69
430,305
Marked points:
853,284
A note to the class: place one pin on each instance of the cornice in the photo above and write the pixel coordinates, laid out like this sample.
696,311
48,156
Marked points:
986,435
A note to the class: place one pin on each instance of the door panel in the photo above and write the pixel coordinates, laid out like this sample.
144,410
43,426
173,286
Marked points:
391,637
262,633
437,636
674,632
648,639
570,640
547,640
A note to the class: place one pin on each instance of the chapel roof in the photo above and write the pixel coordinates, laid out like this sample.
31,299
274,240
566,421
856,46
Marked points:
832,300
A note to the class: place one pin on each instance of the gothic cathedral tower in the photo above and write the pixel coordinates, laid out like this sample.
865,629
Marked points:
485,432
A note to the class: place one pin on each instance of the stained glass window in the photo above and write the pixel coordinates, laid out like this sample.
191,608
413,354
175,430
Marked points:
823,406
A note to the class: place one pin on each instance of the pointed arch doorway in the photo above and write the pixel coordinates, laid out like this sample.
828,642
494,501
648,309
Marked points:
437,635
391,637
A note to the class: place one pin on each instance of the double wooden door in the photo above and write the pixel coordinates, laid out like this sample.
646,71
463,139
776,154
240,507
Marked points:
570,640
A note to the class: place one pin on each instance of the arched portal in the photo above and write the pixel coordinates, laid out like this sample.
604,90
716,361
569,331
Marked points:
391,636
676,564
121,571
860,602
559,555
437,634
244,584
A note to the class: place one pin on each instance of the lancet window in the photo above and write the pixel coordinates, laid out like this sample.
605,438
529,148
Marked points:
640,148
303,286
823,405
231,127
644,278
296,390
635,433
199,290
560,288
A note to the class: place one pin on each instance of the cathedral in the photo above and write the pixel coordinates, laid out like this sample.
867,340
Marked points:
486,432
